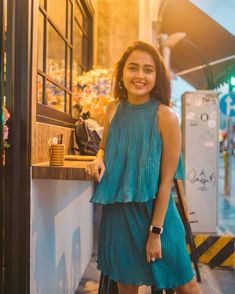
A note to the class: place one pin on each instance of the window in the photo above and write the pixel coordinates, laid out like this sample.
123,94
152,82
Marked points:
64,52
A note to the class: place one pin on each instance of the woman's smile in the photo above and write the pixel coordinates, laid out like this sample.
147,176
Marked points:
138,84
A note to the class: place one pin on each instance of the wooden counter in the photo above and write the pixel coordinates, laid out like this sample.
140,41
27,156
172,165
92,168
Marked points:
72,170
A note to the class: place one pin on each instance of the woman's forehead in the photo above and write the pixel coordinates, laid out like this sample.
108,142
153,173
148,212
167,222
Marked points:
140,57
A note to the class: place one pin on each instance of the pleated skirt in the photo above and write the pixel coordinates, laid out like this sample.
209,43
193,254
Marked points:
122,255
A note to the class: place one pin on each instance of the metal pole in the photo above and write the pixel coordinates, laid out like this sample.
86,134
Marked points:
228,160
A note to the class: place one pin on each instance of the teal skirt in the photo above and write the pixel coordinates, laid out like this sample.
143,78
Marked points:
123,236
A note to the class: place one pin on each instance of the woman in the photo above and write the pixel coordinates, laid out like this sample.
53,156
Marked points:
142,238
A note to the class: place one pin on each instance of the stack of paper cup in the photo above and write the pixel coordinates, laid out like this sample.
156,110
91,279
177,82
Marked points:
56,154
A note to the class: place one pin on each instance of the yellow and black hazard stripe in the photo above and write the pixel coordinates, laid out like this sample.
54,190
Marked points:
216,251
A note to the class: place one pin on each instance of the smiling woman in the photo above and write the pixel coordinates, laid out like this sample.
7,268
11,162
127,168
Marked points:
142,238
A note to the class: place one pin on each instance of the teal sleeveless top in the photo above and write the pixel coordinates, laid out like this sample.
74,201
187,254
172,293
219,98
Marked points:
132,155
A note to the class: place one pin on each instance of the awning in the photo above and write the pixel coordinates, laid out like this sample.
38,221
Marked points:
206,42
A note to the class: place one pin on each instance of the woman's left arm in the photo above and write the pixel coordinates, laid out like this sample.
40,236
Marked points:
169,128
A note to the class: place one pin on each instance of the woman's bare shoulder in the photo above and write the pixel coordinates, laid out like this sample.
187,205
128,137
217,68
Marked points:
111,109
167,113
167,117
112,105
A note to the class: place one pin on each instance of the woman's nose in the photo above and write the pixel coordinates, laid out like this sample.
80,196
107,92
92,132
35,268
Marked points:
139,73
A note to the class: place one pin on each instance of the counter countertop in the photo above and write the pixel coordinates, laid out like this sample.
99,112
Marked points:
72,170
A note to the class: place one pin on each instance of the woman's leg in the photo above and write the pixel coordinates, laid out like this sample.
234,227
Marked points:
190,288
127,289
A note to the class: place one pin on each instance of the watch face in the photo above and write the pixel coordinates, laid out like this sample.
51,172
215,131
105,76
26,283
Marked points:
156,230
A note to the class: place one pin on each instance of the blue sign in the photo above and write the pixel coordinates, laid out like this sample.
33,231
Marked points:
227,104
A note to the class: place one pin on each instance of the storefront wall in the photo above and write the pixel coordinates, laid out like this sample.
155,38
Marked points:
121,22
117,27
61,235
61,231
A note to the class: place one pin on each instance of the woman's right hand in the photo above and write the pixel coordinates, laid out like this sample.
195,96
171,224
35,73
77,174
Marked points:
153,247
96,168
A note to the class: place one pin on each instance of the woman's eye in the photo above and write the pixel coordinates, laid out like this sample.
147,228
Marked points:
148,70
132,68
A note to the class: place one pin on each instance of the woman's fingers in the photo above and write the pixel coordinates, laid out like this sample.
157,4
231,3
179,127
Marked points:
153,257
158,255
102,170
93,170
149,257
153,248
88,169
153,253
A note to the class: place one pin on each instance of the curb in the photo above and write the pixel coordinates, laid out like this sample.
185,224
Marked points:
215,250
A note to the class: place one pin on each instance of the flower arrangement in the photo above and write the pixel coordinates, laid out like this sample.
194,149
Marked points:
6,116
92,90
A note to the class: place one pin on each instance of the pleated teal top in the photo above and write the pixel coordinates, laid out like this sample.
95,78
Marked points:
132,156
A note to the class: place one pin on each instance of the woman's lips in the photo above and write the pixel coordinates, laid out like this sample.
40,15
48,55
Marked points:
138,84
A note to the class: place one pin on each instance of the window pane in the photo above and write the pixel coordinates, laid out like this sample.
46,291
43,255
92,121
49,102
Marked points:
57,11
56,56
76,111
77,43
77,71
40,40
39,89
42,3
69,22
78,14
86,25
76,90
68,67
55,96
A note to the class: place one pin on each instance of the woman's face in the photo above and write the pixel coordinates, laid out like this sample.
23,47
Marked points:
139,74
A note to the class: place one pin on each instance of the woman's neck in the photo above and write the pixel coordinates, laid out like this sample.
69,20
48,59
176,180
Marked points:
137,99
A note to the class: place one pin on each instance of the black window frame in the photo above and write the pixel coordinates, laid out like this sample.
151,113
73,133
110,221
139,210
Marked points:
18,157
45,113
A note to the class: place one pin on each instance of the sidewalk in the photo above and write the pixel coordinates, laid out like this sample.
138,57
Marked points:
214,281
226,212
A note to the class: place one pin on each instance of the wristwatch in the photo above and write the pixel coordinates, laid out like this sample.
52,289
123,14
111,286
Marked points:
156,230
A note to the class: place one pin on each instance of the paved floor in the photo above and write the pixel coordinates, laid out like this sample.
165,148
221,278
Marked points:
213,281
226,211
216,281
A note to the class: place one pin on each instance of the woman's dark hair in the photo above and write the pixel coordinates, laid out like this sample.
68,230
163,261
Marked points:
162,88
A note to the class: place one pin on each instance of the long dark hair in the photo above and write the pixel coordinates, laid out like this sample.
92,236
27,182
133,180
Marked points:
162,87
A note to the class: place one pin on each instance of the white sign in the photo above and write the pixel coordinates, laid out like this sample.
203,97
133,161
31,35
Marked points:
200,131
